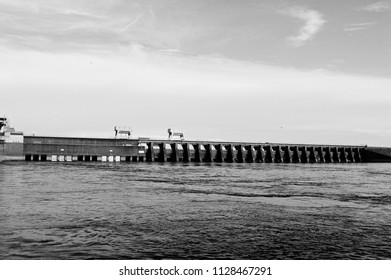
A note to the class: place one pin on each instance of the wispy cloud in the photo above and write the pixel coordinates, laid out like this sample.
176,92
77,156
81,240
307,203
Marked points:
378,7
358,26
313,22
174,82
133,22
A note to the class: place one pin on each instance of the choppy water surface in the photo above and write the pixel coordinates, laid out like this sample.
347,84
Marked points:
190,211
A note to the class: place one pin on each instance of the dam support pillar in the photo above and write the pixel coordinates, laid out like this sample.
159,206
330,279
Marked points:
335,155
150,152
260,154
186,153
295,154
208,153
174,152
162,152
277,154
268,154
319,155
349,155
197,151
250,157
230,153
219,153
311,156
286,154
303,154
239,155
327,155
342,155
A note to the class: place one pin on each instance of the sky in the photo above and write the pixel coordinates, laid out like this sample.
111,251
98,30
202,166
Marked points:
283,71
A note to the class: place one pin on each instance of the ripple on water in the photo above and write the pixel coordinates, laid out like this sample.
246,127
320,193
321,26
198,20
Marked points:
194,211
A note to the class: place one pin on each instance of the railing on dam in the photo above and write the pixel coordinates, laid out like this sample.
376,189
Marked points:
187,151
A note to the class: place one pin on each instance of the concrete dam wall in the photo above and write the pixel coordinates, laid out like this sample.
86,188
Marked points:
14,145
250,152
135,150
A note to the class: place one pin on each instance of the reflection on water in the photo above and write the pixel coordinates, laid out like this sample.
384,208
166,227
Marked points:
194,211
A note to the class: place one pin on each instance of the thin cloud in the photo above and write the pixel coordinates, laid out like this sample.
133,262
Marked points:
133,22
313,22
72,12
358,26
141,75
350,29
378,7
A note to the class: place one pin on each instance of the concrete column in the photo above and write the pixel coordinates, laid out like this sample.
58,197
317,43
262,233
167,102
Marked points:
268,154
295,154
273,153
342,154
230,153
260,155
335,156
250,153
162,152
286,154
186,153
327,154
349,155
303,154
239,155
311,156
197,150
208,153
319,156
174,151
219,156
150,152
277,154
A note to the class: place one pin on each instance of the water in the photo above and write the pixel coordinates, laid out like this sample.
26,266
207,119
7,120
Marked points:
194,211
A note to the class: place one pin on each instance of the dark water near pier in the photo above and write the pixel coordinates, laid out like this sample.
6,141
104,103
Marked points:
179,211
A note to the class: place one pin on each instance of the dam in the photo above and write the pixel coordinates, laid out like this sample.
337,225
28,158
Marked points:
16,146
